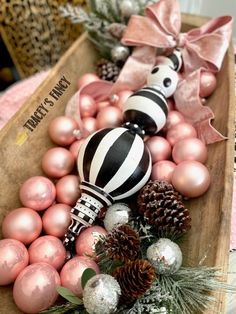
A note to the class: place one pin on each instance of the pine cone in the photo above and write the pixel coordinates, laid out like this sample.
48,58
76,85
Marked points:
163,208
134,278
107,70
122,244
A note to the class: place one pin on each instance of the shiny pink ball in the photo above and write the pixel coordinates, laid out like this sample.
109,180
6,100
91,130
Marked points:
174,117
56,220
37,193
86,79
13,259
159,148
109,117
87,105
179,132
191,178
102,104
57,162
61,130
90,125
189,149
72,272
207,84
85,243
75,147
47,249
22,224
68,191
35,288
163,170
122,97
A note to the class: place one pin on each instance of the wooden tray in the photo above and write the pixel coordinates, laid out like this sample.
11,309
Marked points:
21,152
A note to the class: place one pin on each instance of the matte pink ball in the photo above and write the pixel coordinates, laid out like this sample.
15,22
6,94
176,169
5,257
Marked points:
191,178
207,84
163,170
13,259
102,104
87,105
174,117
159,148
90,125
61,130
75,147
86,79
23,224
56,220
68,191
189,149
85,243
57,162
109,117
37,193
47,249
35,288
72,272
122,97
179,132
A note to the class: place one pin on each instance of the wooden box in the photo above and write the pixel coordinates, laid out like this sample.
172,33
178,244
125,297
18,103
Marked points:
21,151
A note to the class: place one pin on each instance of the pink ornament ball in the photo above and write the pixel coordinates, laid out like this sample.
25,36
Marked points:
35,288
67,189
207,84
90,125
61,130
37,193
102,104
87,106
22,224
56,220
72,272
163,170
109,117
191,178
57,162
47,249
189,149
75,147
174,117
86,241
122,97
13,259
86,79
159,148
179,132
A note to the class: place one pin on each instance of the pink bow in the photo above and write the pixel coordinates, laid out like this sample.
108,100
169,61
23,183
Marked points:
202,47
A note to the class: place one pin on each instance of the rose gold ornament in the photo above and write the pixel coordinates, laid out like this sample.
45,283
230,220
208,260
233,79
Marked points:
189,149
86,79
122,97
37,193
13,259
159,148
72,272
57,162
61,130
87,106
179,132
85,243
75,147
23,224
207,84
191,178
102,104
174,117
47,249
56,220
68,190
35,288
163,170
90,124
109,117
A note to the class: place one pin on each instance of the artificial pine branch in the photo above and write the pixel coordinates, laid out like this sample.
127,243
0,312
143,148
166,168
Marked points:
67,308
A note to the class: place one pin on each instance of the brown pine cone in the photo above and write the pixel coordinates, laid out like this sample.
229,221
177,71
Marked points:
134,278
107,70
122,244
162,206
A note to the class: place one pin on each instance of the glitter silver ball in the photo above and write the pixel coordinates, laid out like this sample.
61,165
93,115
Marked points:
116,215
101,294
119,53
128,8
165,256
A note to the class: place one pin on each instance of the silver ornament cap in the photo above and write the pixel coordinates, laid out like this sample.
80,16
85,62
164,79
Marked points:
119,53
101,294
117,214
165,256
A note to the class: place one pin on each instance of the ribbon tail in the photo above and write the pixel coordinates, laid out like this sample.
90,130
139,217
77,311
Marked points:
207,133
